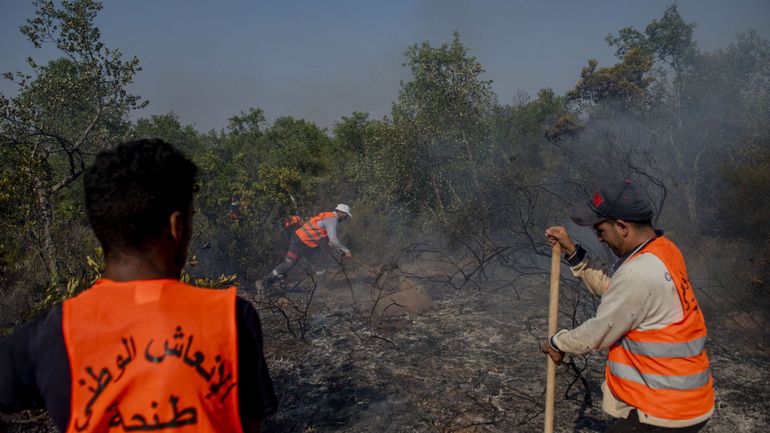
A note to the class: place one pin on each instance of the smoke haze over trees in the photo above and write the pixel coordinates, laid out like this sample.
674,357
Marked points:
450,171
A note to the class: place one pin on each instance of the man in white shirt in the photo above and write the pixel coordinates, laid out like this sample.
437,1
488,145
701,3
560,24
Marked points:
657,376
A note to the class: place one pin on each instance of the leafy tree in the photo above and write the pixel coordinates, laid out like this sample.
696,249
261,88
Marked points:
298,144
440,133
351,135
272,169
355,140
746,207
521,133
247,125
669,40
168,128
64,112
683,107
624,83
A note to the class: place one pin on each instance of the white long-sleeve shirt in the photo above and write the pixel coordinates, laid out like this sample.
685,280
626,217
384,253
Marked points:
330,224
641,295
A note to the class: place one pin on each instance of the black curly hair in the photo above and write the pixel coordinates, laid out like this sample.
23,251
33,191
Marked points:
132,189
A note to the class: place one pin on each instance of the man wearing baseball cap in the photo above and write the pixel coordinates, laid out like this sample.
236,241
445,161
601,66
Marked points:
657,377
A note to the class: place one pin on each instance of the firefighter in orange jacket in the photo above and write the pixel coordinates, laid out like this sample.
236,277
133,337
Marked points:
308,237
140,350
657,376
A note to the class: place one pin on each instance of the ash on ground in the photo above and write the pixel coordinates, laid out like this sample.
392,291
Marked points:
457,360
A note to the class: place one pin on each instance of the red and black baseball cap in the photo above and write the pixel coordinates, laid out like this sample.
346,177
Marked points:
616,200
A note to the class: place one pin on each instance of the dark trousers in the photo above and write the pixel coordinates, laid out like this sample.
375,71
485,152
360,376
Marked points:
632,425
297,249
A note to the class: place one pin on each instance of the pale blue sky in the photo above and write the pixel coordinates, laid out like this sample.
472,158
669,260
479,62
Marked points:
320,60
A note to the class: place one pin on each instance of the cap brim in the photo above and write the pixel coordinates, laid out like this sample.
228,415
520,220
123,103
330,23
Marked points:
584,215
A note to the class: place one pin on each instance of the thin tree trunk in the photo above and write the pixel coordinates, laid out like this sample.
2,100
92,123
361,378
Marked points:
48,246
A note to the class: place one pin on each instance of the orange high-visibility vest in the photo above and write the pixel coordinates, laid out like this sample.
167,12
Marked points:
665,372
311,233
152,355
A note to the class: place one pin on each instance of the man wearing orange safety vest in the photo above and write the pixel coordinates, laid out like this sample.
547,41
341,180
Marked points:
657,376
308,237
140,350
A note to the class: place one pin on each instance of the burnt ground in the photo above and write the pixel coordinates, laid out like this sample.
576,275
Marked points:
470,363
467,361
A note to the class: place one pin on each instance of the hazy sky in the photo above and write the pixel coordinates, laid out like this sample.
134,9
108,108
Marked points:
321,60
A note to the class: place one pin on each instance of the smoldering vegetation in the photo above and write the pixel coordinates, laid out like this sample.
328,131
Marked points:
436,324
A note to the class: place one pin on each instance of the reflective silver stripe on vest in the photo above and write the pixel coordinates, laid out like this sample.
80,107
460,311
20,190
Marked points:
655,381
665,350
316,235
312,236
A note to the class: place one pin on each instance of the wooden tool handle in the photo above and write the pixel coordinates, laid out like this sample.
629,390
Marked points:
553,315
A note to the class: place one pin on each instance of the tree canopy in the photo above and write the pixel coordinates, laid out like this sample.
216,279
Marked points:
450,164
